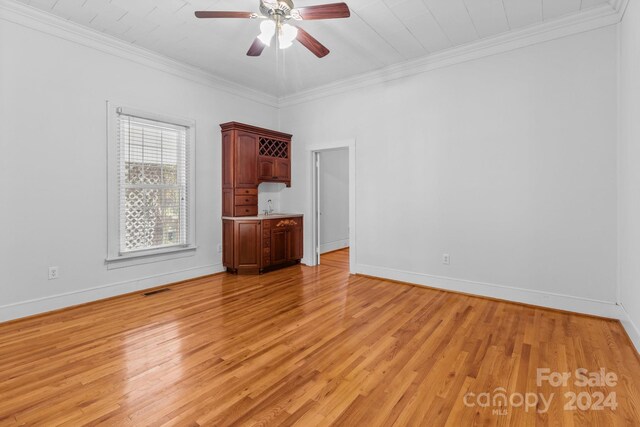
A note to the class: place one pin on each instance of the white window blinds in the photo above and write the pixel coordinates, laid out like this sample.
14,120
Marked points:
153,187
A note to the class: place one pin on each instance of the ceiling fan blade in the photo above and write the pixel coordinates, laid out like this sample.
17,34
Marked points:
324,11
256,48
223,14
308,41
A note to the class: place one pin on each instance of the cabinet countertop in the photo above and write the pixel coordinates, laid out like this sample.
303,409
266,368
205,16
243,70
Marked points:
263,217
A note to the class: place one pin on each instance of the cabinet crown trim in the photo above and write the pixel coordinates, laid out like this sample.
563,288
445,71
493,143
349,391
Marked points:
255,129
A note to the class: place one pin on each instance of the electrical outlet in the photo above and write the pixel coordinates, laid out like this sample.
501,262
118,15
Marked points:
53,273
219,248
446,259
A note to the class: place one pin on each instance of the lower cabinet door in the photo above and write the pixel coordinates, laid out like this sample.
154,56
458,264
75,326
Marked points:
279,246
295,243
247,244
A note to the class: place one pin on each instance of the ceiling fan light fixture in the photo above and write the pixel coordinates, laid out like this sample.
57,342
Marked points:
287,35
267,30
275,14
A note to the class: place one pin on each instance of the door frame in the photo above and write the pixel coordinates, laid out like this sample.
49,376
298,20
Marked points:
350,145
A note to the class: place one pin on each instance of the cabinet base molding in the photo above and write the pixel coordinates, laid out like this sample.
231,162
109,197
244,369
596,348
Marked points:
253,271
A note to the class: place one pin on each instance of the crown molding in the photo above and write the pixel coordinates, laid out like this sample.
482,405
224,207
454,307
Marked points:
35,19
600,16
590,19
620,6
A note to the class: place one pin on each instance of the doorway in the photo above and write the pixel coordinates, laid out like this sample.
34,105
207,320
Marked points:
333,201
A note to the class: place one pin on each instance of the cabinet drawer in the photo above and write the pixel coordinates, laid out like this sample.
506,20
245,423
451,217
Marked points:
246,210
246,191
246,200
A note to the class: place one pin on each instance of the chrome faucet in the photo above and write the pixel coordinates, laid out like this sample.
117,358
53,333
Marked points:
269,206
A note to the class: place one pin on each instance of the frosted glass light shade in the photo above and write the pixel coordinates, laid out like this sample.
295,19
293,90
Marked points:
267,30
287,35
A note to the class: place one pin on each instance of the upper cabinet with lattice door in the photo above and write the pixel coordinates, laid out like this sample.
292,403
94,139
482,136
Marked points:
251,155
274,163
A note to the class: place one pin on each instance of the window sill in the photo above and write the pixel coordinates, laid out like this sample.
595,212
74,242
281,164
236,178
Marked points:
146,257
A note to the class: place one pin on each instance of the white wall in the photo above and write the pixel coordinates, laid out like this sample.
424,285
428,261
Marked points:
270,191
629,203
507,163
334,200
53,167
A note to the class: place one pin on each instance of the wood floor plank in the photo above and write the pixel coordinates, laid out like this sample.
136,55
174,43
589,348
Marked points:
306,346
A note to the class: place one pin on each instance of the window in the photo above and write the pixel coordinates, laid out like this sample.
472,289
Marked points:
150,190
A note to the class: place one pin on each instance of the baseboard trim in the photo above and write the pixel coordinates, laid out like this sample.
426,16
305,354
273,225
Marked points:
632,330
60,301
501,292
334,246
507,293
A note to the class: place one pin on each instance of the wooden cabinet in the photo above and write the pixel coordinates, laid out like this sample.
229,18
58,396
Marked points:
283,170
274,169
266,244
246,171
266,168
274,159
279,246
250,243
228,165
286,240
253,246
251,155
295,242
247,240
227,242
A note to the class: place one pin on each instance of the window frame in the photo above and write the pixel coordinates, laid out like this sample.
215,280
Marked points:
115,258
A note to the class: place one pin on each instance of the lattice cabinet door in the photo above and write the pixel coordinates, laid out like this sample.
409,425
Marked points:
273,148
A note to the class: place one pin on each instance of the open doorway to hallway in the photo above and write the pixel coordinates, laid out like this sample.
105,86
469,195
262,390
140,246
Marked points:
333,200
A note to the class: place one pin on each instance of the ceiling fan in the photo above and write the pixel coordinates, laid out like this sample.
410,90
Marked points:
275,14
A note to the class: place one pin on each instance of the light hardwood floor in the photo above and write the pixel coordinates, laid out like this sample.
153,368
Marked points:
305,346
337,259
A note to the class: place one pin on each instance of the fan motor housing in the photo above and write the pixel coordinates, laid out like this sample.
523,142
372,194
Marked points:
276,7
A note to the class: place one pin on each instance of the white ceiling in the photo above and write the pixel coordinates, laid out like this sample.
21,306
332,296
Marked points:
379,33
